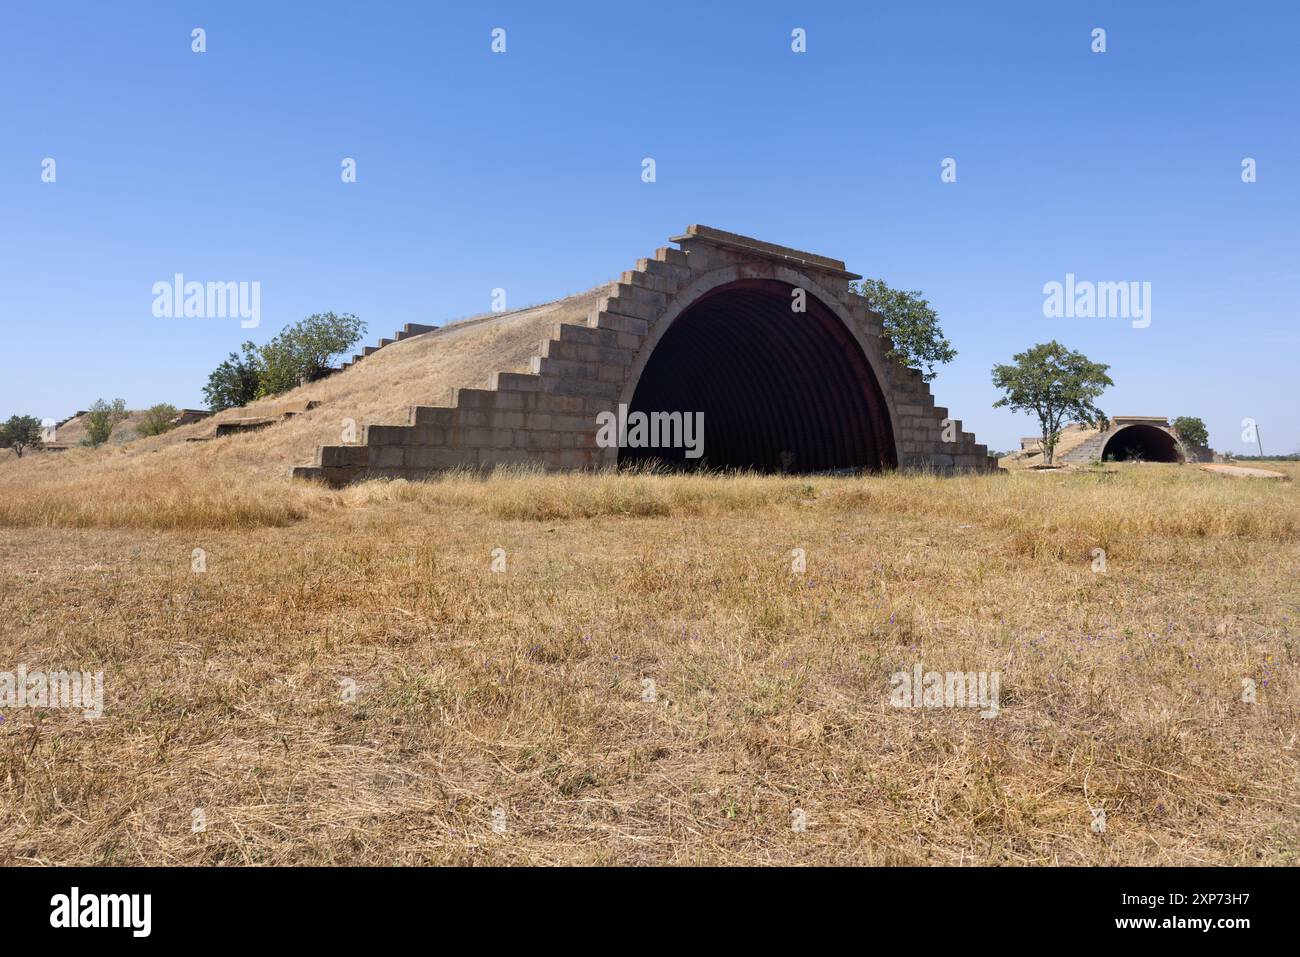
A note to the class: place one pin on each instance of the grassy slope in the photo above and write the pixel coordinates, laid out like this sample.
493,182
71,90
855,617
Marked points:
522,690
1072,436
379,389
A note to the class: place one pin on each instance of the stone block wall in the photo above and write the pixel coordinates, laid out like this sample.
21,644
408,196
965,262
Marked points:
547,416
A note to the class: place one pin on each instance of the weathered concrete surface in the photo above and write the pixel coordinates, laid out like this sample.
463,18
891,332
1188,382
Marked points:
765,381
1149,437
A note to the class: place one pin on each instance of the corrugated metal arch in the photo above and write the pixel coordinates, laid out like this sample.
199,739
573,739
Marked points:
1149,443
776,387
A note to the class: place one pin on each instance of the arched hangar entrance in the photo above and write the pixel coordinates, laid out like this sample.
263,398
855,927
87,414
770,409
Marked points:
705,328
778,390
1144,443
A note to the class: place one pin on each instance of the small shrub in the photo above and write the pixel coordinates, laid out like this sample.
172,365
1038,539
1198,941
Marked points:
102,418
157,419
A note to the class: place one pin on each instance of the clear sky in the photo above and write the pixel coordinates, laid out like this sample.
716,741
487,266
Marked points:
522,170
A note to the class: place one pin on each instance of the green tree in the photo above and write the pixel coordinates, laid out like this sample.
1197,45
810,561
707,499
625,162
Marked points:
911,324
21,433
282,368
235,382
103,418
1192,430
1056,384
157,419
303,352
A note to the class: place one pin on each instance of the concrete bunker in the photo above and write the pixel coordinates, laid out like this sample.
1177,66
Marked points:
708,328
777,389
1142,443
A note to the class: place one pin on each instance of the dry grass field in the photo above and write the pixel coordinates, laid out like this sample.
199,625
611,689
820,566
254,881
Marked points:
499,715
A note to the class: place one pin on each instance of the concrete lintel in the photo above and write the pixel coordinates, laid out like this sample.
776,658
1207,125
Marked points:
720,237
1158,420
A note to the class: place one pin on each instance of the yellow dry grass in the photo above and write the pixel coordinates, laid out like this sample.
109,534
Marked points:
378,389
522,690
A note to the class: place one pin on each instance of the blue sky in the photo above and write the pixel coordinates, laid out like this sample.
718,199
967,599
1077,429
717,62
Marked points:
522,171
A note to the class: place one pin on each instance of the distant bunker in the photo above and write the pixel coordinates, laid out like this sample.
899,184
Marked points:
1142,443
1125,438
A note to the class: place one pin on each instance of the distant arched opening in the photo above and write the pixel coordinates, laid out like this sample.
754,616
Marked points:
1142,443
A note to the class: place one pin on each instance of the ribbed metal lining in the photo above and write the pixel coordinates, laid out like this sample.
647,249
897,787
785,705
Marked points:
768,380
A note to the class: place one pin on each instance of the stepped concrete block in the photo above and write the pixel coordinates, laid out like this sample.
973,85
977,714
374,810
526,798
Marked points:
630,305
342,455
514,382
581,387
506,420
541,440
429,435
676,273
572,423
715,284
672,256
585,335
474,398
435,458
585,353
385,434
620,322
566,369
539,421
653,282
509,401
387,456
431,415
494,458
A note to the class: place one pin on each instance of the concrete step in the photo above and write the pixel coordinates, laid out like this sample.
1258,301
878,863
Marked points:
408,331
